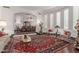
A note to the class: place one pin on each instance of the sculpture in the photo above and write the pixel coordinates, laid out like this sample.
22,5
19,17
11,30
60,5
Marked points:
26,38
77,28
77,39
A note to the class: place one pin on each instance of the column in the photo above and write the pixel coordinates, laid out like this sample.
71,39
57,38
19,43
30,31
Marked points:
54,19
44,25
1,12
62,19
48,21
51,21
70,24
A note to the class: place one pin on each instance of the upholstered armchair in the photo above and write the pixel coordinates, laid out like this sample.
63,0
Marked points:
67,34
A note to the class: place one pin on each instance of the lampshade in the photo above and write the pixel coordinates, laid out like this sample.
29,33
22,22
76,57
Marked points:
57,26
38,21
3,23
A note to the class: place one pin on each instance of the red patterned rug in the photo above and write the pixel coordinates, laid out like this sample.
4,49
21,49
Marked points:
39,43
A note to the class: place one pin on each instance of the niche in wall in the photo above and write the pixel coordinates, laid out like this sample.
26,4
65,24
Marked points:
24,19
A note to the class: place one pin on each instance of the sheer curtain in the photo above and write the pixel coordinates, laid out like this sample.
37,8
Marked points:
66,18
58,18
51,21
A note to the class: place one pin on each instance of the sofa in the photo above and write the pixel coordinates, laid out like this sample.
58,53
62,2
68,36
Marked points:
3,41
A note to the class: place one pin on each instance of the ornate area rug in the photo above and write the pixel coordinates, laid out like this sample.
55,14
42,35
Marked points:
39,44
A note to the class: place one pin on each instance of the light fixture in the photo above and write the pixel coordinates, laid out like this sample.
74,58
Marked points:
38,22
3,24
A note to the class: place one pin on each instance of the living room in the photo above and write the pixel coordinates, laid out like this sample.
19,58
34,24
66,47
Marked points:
37,21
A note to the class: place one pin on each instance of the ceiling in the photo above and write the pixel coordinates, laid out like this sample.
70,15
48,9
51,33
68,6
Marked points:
36,7
32,8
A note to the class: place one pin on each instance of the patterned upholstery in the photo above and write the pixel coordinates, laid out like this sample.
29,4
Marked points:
67,33
1,34
3,42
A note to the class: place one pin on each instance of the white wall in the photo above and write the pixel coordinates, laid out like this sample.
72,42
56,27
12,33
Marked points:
8,15
75,17
72,17
0,11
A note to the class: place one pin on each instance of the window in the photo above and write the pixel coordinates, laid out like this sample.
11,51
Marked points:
18,19
45,21
66,18
51,21
58,18
3,24
76,16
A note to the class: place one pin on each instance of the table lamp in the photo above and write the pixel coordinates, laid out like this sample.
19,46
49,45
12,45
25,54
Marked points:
3,24
57,27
